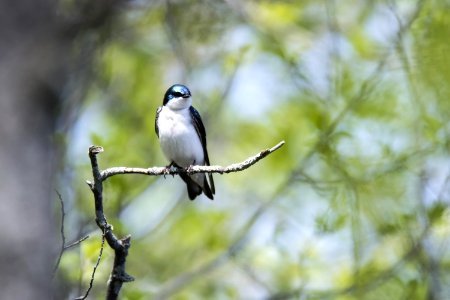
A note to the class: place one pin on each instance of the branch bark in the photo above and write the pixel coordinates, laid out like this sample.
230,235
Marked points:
158,171
120,246
118,274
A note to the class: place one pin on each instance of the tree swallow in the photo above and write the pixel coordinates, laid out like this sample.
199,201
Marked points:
182,137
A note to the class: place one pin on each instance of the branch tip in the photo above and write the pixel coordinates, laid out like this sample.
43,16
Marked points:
122,277
94,150
90,184
277,146
79,241
127,278
126,240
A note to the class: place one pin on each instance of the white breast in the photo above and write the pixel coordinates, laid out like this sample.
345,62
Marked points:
178,137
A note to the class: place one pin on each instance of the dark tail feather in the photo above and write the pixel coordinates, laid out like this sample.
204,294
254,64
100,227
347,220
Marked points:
194,190
192,187
207,190
211,182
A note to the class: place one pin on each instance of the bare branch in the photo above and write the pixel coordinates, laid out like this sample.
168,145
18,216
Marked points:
118,275
158,171
95,269
73,244
63,237
64,247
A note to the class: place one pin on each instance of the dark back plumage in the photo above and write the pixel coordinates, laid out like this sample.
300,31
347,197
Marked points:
200,128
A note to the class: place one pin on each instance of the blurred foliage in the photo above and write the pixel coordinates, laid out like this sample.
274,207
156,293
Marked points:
354,206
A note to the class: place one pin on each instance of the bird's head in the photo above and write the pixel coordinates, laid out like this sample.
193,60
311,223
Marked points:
177,97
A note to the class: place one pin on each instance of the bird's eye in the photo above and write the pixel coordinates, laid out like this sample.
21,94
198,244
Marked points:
177,94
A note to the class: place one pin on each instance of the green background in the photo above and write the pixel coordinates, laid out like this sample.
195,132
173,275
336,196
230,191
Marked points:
353,206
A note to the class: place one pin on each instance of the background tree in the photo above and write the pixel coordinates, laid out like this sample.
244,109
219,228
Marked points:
38,84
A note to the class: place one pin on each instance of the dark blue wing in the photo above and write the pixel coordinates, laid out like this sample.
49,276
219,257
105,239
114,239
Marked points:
156,120
200,128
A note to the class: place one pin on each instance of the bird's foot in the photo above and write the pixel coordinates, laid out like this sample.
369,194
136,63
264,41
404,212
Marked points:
191,167
169,169
166,171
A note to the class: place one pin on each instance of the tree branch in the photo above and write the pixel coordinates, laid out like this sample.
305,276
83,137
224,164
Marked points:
91,282
120,246
63,236
158,171
74,243
118,275
64,246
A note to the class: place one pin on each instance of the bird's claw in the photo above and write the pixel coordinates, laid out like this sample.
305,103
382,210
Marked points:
191,167
167,170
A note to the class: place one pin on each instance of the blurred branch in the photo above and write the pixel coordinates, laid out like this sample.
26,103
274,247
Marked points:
64,246
63,237
158,171
367,87
406,64
95,269
164,217
298,78
254,276
177,283
368,283
400,163
175,41
74,243
444,187
428,258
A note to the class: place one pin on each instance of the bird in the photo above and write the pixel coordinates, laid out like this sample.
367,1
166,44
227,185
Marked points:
182,137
